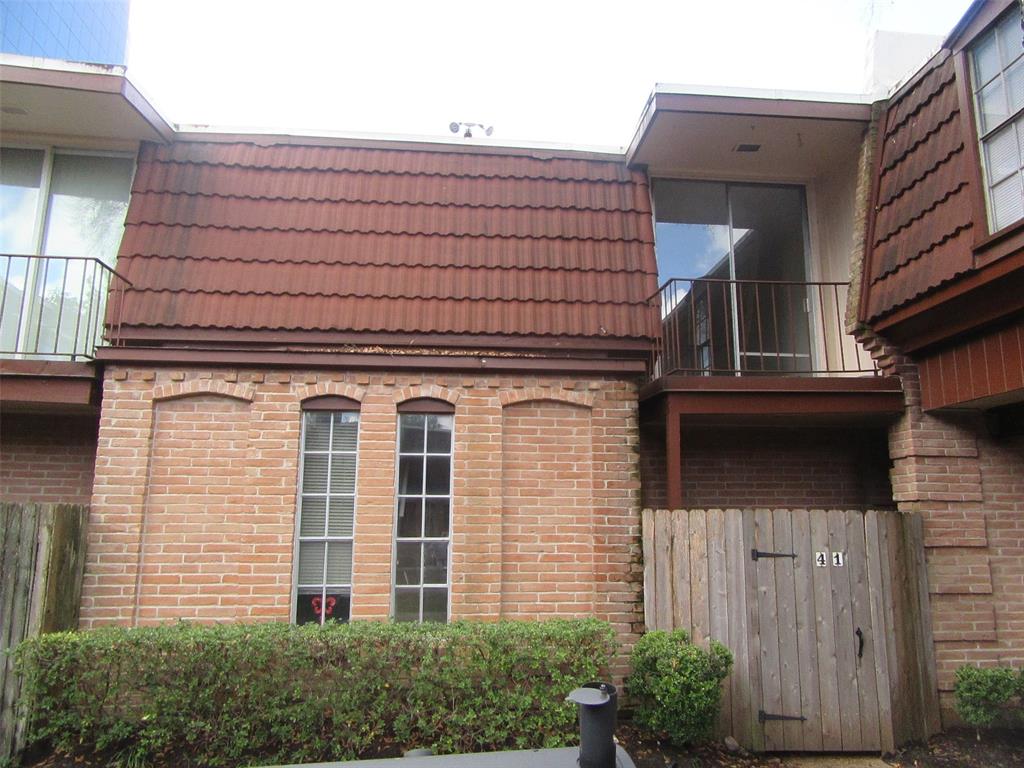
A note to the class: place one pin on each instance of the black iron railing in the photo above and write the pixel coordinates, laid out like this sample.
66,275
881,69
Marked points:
715,327
54,307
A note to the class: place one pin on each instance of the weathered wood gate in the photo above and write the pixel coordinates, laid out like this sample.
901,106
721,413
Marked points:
825,612
42,555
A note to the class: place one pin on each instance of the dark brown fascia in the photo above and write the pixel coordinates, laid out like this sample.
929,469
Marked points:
480,363
751,396
567,345
968,303
49,386
93,82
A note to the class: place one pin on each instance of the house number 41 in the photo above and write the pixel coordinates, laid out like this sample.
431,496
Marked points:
822,559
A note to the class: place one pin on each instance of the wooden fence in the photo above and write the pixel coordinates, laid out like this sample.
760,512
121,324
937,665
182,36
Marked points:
825,611
42,554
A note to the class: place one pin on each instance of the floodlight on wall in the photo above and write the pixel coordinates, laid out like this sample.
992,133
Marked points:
456,127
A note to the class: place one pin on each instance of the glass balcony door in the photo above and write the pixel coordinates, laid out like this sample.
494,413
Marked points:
741,250
69,206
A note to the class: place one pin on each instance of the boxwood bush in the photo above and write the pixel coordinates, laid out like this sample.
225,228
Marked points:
989,696
256,694
676,686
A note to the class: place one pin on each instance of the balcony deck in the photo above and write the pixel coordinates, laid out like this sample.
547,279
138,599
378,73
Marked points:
53,314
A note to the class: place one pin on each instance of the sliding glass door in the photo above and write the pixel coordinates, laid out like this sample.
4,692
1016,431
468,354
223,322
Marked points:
738,252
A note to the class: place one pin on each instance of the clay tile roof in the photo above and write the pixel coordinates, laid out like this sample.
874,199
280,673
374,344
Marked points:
224,237
922,214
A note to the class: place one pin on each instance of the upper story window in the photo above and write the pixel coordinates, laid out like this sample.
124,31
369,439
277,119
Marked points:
63,203
327,501
997,68
423,515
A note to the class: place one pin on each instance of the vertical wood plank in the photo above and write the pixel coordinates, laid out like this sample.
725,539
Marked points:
806,623
23,553
925,646
681,571
12,518
828,666
785,601
768,621
718,597
650,593
752,599
700,616
663,570
65,568
673,454
864,662
744,724
905,708
875,552
842,607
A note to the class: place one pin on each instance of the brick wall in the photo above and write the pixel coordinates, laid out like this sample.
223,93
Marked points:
830,468
968,487
47,458
547,486
194,503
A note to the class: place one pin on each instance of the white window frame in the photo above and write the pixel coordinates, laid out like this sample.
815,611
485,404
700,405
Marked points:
1014,120
423,496
299,539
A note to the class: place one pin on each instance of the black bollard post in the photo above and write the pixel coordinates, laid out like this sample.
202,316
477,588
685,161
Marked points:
598,705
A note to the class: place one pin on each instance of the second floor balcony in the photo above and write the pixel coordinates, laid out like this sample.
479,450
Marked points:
721,327
55,307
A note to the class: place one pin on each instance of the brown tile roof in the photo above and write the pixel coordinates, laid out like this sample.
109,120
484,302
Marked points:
922,215
287,238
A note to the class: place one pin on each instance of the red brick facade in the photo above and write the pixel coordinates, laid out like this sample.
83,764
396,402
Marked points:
46,458
743,467
968,485
194,502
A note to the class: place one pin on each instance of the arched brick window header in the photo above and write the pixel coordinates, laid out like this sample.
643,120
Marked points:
425,405
330,403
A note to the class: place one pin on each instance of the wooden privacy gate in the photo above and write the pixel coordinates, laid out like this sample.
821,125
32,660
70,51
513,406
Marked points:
825,612
42,555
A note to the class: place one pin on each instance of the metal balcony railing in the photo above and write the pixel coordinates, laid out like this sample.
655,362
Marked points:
53,307
715,327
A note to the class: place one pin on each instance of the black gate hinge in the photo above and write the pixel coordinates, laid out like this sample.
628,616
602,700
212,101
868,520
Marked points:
757,554
763,717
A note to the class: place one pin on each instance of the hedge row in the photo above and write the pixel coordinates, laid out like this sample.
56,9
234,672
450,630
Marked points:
236,694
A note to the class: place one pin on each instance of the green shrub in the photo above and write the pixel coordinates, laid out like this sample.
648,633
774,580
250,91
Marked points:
676,686
985,696
237,694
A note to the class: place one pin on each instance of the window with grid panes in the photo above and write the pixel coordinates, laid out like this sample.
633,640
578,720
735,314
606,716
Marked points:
327,496
423,516
997,71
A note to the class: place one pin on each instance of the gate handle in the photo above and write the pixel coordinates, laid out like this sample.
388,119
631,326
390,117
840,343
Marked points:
860,643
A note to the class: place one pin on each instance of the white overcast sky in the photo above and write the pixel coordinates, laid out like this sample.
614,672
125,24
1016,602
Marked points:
569,72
